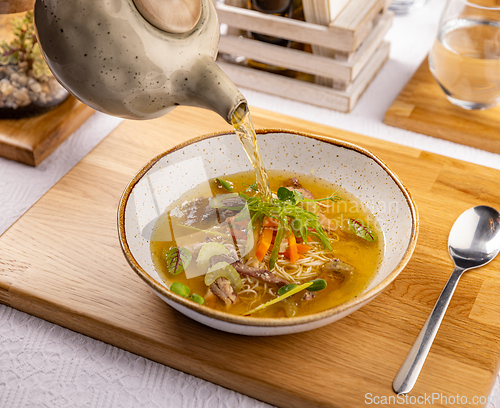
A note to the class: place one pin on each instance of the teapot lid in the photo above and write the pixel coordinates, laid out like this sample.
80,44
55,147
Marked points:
173,16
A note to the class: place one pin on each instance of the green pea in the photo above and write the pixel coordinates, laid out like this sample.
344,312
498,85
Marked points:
286,288
197,298
180,289
318,284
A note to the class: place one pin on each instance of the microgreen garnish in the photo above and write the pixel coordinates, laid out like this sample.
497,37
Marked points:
284,194
177,260
290,217
251,187
362,230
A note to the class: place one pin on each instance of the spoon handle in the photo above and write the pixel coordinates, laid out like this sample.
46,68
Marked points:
408,373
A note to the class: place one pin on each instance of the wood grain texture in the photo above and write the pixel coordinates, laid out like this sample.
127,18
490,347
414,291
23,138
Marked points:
31,140
315,64
62,261
345,33
357,19
422,107
16,6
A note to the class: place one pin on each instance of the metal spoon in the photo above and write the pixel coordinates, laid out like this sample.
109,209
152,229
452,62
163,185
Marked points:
473,242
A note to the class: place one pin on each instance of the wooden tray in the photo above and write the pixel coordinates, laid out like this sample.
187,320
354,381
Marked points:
422,107
61,261
31,140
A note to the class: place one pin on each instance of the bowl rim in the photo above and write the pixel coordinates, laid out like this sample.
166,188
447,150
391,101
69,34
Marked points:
264,321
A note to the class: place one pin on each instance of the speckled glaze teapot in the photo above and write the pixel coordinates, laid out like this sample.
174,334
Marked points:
136,59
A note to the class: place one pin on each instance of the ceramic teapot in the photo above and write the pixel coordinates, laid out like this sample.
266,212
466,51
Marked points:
136,59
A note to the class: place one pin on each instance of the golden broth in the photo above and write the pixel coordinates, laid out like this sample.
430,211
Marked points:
363,255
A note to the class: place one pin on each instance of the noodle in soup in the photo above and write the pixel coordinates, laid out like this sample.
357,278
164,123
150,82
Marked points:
310,247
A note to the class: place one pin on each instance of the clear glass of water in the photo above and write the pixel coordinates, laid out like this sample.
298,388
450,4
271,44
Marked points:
465,57
406,6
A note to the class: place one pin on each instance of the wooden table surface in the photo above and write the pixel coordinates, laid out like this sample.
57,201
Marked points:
62,262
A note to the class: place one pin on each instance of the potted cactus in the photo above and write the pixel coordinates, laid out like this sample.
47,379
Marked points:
27,87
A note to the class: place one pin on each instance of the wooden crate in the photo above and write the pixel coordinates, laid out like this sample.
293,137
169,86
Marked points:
358,55
344,34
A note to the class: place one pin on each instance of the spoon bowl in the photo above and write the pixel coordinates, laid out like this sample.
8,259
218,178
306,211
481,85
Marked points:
473,242
472,251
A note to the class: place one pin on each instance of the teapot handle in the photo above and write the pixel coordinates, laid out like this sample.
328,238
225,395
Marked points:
173,16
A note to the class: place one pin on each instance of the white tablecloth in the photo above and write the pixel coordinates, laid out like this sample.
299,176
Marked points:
44,365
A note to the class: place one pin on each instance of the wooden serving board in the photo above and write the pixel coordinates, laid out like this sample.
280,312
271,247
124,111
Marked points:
422,107
62,261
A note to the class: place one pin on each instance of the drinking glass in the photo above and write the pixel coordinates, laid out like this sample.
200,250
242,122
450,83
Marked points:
406,6
465,57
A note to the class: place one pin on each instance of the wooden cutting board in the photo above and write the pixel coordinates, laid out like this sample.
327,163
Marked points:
422,107
62,262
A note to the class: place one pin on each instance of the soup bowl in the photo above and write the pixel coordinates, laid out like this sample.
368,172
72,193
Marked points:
166,177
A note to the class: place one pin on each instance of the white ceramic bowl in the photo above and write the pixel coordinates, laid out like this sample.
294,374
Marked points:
358,171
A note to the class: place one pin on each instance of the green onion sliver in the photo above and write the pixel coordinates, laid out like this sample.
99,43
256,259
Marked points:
280,298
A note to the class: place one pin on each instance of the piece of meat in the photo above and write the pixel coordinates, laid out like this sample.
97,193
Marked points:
308,296
198,213
261,274
223,258
293,184
230,207
223,290
338,266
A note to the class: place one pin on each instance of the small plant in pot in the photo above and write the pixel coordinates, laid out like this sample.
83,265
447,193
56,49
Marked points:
27,87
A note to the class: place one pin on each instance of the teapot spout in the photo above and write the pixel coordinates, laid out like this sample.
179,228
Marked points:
207,86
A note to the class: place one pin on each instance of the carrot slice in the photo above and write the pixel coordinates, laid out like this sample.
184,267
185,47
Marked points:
286,254
265,240
294,253
303,248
